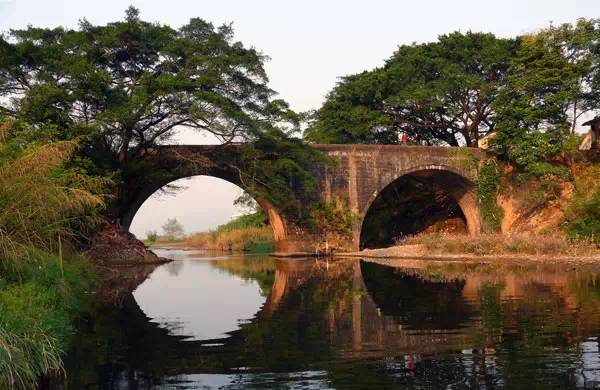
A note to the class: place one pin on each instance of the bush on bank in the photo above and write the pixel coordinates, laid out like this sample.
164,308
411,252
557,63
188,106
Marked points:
38,304
45,207
248,232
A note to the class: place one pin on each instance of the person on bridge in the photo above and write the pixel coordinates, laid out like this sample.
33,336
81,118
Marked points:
404,138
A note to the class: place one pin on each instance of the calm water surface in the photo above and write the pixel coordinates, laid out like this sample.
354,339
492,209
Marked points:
205,322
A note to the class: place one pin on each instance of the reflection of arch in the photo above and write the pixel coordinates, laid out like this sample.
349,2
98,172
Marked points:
276,220
290,275
440,177
400,293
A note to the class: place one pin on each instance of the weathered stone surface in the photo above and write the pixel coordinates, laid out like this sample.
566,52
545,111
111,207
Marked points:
360,174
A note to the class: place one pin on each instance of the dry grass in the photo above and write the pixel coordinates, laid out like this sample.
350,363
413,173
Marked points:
229,240
499,244
41,201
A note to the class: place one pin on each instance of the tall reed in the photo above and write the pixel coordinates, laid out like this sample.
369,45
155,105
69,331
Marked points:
41,201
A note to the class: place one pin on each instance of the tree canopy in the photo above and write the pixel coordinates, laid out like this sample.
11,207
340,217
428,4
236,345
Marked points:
127,86
550,86
436,93
465,85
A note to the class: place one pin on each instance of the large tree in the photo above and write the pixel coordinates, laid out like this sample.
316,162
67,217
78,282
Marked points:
549,87
124,87
576,49
130,84
437,93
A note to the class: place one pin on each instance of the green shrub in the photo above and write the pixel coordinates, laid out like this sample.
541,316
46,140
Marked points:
488,187
256,219
38,303
584,217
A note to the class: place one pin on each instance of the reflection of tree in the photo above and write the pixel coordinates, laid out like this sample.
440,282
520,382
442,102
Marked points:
256,268
491,311
514,324
174,267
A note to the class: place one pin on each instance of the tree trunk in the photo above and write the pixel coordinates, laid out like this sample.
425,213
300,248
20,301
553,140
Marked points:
124,148
574,123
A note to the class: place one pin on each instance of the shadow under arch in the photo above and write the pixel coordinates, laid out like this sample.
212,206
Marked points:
276,220
417,200
418,302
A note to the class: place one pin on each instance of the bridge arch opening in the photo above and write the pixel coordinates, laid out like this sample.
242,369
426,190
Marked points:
431,199
200,202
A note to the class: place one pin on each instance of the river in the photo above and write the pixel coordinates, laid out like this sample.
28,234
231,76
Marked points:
204,322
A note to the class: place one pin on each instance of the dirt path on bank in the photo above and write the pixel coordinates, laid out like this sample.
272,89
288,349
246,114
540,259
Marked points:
420,252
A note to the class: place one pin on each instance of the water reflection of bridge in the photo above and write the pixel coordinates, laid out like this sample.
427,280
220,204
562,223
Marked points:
320,311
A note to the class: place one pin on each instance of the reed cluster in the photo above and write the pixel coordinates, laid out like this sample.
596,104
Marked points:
239,239
44,208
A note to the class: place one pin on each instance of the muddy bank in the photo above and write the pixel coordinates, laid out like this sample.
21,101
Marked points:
421,252
122,261
116,246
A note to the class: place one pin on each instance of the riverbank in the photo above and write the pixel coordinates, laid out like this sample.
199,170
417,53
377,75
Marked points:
40,300
245,239
495,247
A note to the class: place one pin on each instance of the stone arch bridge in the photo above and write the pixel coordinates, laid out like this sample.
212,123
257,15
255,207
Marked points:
361,174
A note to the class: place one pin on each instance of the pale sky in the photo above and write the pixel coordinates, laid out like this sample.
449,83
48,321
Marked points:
310,43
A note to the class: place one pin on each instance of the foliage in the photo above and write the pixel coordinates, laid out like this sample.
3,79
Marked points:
46,206
467,160
333,220
585,216
549,78
247,232
151,236
465,85
126,86
255,219
37,306
41,200
437,93
173,229
488,186
250,238
578,45
277,169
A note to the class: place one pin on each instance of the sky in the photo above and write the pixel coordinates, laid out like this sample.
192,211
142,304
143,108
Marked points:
310,44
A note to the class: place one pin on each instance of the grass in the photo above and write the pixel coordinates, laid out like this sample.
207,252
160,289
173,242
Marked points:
502,244
248,233
251,239
38,303
41,201
583,215
44,206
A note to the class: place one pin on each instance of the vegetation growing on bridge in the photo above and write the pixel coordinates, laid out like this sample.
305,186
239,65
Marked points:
488,187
